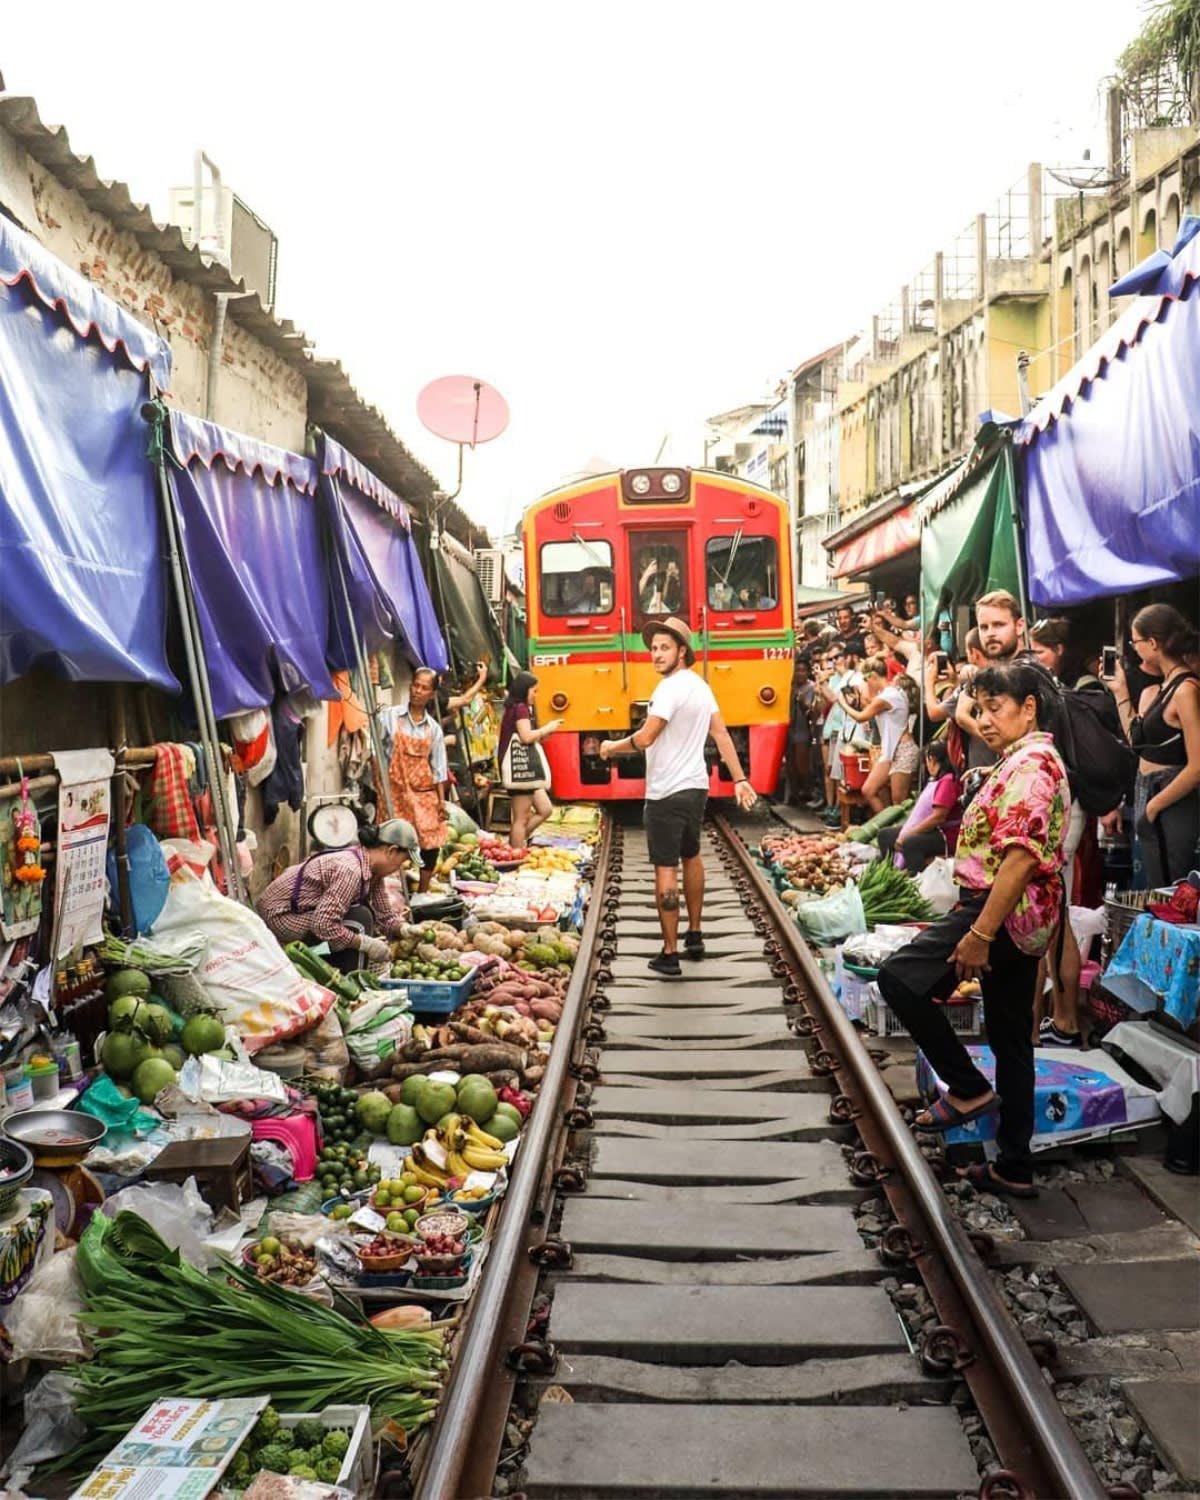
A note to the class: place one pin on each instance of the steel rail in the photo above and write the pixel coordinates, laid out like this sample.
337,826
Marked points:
479,1354
1045,1433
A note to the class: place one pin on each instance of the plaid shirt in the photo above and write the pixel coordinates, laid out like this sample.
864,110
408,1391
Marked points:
170,811
330,884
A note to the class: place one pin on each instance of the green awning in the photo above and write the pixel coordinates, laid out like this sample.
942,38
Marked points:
969,539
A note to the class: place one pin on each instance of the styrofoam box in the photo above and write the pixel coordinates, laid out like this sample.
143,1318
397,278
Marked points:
358,1466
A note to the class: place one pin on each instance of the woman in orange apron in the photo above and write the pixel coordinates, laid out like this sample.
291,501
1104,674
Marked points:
418,772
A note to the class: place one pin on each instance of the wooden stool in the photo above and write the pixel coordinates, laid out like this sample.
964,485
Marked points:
847,800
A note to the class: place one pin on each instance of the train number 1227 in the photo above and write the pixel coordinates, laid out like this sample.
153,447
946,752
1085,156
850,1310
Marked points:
776,653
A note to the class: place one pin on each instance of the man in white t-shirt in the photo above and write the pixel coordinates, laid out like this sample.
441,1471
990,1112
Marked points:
680,717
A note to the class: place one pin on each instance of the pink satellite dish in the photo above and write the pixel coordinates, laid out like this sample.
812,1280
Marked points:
462,409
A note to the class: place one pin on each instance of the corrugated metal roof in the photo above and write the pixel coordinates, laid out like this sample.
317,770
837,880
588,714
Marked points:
333,402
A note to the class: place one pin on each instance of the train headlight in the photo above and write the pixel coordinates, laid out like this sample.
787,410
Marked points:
640,484
671,484
766,695
559,702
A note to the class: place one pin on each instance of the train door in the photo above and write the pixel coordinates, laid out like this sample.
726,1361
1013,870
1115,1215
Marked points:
659,576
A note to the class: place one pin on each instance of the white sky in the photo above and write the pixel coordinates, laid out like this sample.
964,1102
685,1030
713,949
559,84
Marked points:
627,217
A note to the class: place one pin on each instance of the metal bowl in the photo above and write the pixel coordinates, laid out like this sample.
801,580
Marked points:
16,1168
57,1137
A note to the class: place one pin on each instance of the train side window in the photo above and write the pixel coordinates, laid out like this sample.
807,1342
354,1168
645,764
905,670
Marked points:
742,572
576,578
659,574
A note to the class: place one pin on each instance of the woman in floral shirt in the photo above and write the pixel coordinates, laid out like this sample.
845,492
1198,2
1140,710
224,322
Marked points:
1009,871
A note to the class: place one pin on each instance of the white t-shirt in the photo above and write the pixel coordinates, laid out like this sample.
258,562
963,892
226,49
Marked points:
893,721
675,761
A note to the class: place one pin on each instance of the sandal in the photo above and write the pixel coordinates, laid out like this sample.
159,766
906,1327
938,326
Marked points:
982,1177
942,1115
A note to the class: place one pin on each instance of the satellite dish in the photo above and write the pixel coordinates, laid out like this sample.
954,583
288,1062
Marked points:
463,410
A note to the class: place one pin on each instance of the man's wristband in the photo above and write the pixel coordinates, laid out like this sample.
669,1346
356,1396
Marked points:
737,780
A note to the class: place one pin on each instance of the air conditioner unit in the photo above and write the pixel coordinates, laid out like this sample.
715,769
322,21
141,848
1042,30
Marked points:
230,233
489,565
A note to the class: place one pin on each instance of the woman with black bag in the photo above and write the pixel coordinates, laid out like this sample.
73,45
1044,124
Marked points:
524,770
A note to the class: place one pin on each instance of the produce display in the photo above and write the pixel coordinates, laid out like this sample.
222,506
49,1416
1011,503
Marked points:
307,1450
891,895
395,1187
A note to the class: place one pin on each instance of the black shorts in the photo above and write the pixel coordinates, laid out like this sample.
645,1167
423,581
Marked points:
673,826
429,858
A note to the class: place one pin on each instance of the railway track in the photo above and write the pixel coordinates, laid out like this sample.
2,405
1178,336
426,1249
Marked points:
678,1281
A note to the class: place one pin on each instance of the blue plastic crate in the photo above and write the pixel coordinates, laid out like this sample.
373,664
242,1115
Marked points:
433,997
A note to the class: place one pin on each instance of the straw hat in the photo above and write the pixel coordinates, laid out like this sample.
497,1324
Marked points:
672,626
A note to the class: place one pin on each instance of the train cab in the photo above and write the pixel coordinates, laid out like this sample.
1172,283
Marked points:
608,554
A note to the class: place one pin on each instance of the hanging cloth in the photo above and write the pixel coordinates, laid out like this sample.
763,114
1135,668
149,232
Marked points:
169,808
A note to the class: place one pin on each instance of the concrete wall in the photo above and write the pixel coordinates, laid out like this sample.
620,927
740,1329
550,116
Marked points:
257,393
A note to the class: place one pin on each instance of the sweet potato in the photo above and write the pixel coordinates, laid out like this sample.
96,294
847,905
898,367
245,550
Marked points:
546,1010
469,1058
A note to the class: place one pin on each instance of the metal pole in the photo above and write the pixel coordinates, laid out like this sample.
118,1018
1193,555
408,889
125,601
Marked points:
197,665
1011,473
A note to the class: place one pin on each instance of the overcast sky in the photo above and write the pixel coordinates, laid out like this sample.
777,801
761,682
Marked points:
627,217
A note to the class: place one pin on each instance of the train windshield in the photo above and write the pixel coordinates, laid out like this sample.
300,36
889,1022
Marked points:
576,578
742,572
658,564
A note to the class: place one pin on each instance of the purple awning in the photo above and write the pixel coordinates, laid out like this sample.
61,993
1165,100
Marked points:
82,587
252,540
389,597
1111,456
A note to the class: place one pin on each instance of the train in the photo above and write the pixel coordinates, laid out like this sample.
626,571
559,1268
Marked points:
607,553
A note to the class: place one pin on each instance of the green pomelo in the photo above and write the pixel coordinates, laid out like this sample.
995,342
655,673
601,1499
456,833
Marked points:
502,1128
151,1077
156,1021
511,1110
127,982
122,1008
373,1109
412,1088
436,1100
477,1098
202,1033
404,1125
122,1052
175,1055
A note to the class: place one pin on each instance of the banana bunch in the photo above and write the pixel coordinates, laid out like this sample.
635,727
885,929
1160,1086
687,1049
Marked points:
469,1148
426,1170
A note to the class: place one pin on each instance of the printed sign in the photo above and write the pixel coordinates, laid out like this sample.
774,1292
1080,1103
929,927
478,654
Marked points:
178,1451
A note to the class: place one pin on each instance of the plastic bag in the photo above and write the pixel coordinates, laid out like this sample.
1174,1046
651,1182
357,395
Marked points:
178,1213
51,1427
43,1322
376,1030
829,919
937,884
247,977
214,1081
1087,925
326,1053
105,1102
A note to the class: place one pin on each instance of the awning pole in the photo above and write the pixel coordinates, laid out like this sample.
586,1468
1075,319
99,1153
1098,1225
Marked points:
193,645
1010,471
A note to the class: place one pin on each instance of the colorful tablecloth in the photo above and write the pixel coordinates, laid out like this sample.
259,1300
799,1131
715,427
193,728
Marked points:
1166,958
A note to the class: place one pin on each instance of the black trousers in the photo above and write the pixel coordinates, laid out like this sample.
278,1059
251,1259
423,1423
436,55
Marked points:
910,980
919,848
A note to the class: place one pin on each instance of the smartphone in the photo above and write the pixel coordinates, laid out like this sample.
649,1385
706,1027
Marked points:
943,662
1108,662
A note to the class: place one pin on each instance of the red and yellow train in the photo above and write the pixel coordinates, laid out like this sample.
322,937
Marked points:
604,555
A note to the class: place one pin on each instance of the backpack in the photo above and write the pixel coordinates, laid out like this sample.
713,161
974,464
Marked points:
1086,727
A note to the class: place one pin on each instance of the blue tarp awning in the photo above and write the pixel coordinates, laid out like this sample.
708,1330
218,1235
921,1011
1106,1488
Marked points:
252,541
370,530
1111,456
82,587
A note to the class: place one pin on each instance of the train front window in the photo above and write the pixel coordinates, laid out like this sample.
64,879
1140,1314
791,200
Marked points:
742,572
576,578
659,572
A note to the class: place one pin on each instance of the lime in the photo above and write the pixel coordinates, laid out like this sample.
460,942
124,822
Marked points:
270,1245
411,1215
414,1194
383,1199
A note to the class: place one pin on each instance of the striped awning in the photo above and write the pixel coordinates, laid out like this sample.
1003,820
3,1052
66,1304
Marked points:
892,535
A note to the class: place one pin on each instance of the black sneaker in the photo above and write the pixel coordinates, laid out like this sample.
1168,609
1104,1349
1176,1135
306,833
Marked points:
1049,1035
693,944
666,963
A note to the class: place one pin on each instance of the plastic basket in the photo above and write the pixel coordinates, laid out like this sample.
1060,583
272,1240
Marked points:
965,1019
855,770
358,1467
433,997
